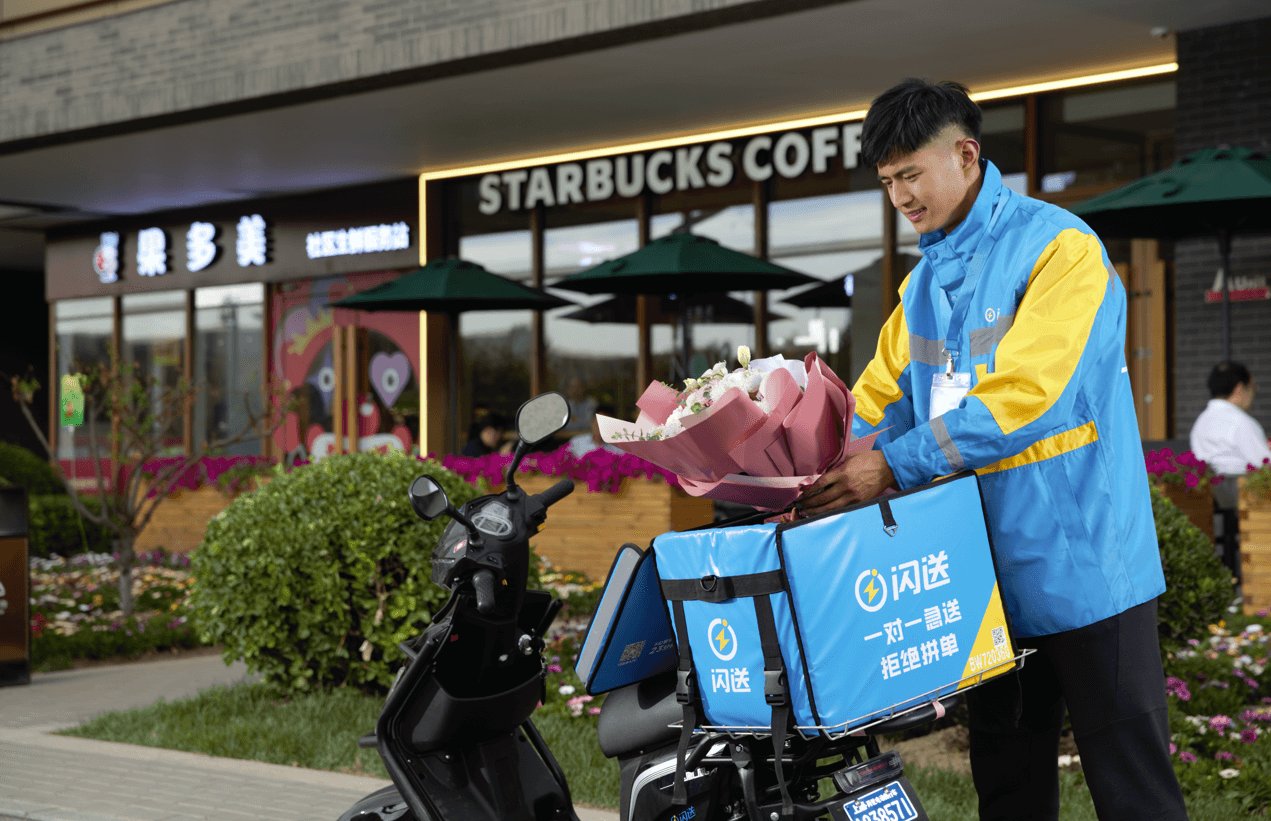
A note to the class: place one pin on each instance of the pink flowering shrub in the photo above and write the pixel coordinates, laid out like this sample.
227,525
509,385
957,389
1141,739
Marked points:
599,470
1182,469
225,471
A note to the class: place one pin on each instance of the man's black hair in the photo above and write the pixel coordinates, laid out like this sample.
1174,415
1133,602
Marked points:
1226,377
908,115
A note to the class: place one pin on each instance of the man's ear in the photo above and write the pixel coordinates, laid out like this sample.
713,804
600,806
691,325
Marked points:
969,152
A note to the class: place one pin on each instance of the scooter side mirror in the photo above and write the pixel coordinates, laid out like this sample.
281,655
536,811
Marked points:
427,498
541,416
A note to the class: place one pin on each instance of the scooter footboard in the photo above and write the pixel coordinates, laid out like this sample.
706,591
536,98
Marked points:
506,778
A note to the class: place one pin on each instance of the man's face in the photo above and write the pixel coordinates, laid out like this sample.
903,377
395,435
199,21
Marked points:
934,187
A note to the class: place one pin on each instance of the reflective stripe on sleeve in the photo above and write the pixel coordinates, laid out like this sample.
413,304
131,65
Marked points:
950,450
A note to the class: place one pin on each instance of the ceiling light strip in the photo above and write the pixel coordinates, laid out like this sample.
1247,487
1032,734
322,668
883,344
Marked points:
784,125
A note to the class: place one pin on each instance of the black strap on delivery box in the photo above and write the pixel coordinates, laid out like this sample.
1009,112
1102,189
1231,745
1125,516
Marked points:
715,589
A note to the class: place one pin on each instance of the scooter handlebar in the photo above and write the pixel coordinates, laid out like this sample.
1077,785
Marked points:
555,493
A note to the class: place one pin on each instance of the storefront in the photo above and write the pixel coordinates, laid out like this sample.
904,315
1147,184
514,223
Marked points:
233,301
790,192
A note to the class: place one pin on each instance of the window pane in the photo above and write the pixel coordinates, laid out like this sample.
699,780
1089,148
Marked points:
494,374
1095,138
1002,137
227,364
154,340
83,339
590,360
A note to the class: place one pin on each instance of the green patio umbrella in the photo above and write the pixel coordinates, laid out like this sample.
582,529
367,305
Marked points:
683,263
835,294
1212,192
451,286
666,309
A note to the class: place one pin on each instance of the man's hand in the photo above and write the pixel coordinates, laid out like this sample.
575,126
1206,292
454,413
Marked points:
860,478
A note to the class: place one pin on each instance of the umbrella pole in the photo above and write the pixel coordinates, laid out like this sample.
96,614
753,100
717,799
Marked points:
1224,252
454,383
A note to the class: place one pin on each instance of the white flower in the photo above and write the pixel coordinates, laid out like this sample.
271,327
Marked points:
1065,761
1230,772
1253,628
567,689
743,355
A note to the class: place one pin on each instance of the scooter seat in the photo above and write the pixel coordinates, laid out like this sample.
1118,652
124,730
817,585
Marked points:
637,717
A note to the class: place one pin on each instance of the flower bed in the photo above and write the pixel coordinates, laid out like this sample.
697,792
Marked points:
1220,714
75,608
1186,480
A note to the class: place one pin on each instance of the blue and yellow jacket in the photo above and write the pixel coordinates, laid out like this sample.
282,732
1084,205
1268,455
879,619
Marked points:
1049,421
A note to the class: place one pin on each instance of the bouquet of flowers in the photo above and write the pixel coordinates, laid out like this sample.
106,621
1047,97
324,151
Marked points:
756,435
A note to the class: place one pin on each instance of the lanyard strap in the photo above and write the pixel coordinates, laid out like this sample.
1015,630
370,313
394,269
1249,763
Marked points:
1004,205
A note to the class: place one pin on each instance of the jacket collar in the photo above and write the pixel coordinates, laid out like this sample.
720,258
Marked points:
966,235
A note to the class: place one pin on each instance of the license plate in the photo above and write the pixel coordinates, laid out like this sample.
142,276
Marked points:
889,802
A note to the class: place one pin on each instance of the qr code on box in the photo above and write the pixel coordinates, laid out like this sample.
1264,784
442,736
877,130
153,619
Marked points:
631,652
999,636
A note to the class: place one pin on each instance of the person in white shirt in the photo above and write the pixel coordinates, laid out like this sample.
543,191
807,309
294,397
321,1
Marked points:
1225,436
1229,440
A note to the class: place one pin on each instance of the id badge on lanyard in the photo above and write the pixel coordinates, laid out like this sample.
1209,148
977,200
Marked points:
947,390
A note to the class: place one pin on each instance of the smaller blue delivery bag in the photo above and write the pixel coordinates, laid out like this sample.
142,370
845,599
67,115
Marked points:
839,620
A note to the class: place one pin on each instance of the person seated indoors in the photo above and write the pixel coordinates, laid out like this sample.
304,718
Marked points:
585,443
485,436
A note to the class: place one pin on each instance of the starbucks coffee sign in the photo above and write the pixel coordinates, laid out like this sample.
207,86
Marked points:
705,165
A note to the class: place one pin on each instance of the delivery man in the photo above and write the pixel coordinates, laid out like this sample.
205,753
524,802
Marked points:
1006,356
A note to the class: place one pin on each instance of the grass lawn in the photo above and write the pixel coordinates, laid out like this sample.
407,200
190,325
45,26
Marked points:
320,731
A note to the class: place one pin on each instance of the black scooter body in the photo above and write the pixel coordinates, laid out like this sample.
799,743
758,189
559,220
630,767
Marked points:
459,746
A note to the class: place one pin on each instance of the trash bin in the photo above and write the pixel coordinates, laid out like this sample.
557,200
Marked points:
15,588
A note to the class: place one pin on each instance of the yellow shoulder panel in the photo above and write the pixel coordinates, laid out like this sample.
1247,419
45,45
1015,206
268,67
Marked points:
1039,354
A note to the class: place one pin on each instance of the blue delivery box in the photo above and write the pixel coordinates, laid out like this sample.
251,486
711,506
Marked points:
839,620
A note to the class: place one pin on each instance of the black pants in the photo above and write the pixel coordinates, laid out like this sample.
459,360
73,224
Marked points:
1109,676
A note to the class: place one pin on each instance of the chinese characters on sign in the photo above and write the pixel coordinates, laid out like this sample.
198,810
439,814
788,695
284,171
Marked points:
251,245
200,246
252,242
152,252
366,239
908,579
730,680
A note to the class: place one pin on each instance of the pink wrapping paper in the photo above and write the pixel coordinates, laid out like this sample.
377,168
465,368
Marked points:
734,451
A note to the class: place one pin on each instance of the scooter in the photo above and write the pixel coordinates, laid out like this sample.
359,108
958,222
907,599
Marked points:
456,732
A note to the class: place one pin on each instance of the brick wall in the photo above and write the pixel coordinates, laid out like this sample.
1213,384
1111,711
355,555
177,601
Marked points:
1224,96
193,54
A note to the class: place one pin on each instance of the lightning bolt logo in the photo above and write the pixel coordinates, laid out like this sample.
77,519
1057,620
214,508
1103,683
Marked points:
722,639
871,590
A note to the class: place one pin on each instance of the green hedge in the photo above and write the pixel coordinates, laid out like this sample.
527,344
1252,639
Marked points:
294,577
55,527
1198,585
22,468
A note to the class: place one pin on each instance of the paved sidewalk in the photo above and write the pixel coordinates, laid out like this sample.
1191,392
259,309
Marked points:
59,778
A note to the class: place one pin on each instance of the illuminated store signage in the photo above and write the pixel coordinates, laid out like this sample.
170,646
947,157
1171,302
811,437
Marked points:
251,244
200,246
365,239
152,252
710,165
106,257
